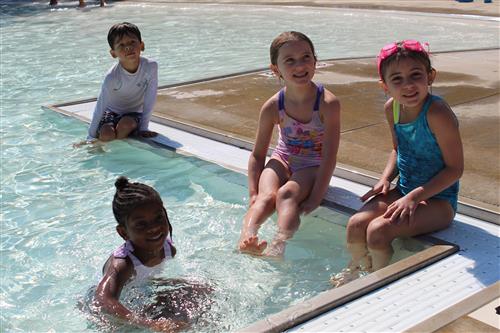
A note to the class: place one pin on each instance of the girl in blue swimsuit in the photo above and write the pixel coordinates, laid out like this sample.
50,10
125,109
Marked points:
427,155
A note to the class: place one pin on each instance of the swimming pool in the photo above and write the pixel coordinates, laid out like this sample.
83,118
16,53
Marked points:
57,226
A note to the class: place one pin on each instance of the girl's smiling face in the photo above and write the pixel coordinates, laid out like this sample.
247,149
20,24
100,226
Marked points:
146,228
296,63
407,80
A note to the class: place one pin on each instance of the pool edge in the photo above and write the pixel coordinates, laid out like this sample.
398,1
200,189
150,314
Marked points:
333,298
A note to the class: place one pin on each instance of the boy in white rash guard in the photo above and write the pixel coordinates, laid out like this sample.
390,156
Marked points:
128,93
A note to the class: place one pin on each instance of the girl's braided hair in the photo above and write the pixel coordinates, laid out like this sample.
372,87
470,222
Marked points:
129,196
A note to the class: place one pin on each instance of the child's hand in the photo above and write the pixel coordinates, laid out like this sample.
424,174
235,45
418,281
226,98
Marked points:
401,209
147,134
383,186
83,143
167,325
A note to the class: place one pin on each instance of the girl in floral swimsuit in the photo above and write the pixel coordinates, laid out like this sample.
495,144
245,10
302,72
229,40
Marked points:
296,177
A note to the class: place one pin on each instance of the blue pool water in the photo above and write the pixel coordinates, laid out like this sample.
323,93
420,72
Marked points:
57,227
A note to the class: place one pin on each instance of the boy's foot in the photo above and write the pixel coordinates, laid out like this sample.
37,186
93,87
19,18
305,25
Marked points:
252,246
345,276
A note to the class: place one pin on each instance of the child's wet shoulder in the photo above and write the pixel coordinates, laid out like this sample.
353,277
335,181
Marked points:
120,265
440,113
330,102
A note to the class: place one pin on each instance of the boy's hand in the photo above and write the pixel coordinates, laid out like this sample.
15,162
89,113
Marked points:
147,134
84,142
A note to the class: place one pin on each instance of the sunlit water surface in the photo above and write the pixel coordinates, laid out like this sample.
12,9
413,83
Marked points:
57,228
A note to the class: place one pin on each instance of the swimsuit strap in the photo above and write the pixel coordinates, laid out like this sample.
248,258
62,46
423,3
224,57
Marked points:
319,92
395,110
281,99
167,247
427,104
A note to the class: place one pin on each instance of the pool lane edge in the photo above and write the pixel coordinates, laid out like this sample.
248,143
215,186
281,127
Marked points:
333,298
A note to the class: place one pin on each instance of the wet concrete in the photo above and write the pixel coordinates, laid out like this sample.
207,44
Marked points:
231,106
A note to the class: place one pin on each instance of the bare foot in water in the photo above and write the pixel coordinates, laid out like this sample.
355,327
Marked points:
252,246
345,276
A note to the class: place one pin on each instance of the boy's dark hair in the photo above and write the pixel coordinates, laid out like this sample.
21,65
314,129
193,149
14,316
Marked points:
119,30
130,195
285,37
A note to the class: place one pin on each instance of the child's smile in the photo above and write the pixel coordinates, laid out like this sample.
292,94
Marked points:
147,229
296,62
407,81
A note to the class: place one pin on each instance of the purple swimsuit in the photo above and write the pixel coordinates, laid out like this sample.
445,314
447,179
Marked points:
300,144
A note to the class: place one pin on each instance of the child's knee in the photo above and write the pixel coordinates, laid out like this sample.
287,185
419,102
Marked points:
266,200
379,235
356,226
127,124
107,133
287,197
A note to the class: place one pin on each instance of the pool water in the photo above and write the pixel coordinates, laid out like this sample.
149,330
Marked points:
57,228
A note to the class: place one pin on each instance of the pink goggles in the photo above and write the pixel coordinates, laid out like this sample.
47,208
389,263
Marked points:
392,48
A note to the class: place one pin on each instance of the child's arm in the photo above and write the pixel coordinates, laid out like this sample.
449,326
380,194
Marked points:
102,102
444,125
390,171
117,272
330,110
149,101
267,119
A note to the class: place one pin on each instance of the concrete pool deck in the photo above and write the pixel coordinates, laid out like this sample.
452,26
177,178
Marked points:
230,107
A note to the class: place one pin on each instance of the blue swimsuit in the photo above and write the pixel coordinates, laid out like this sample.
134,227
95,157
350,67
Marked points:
419,156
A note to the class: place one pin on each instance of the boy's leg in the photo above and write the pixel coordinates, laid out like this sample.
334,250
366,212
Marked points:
271,178
107,132
431,215
125,126
288,200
